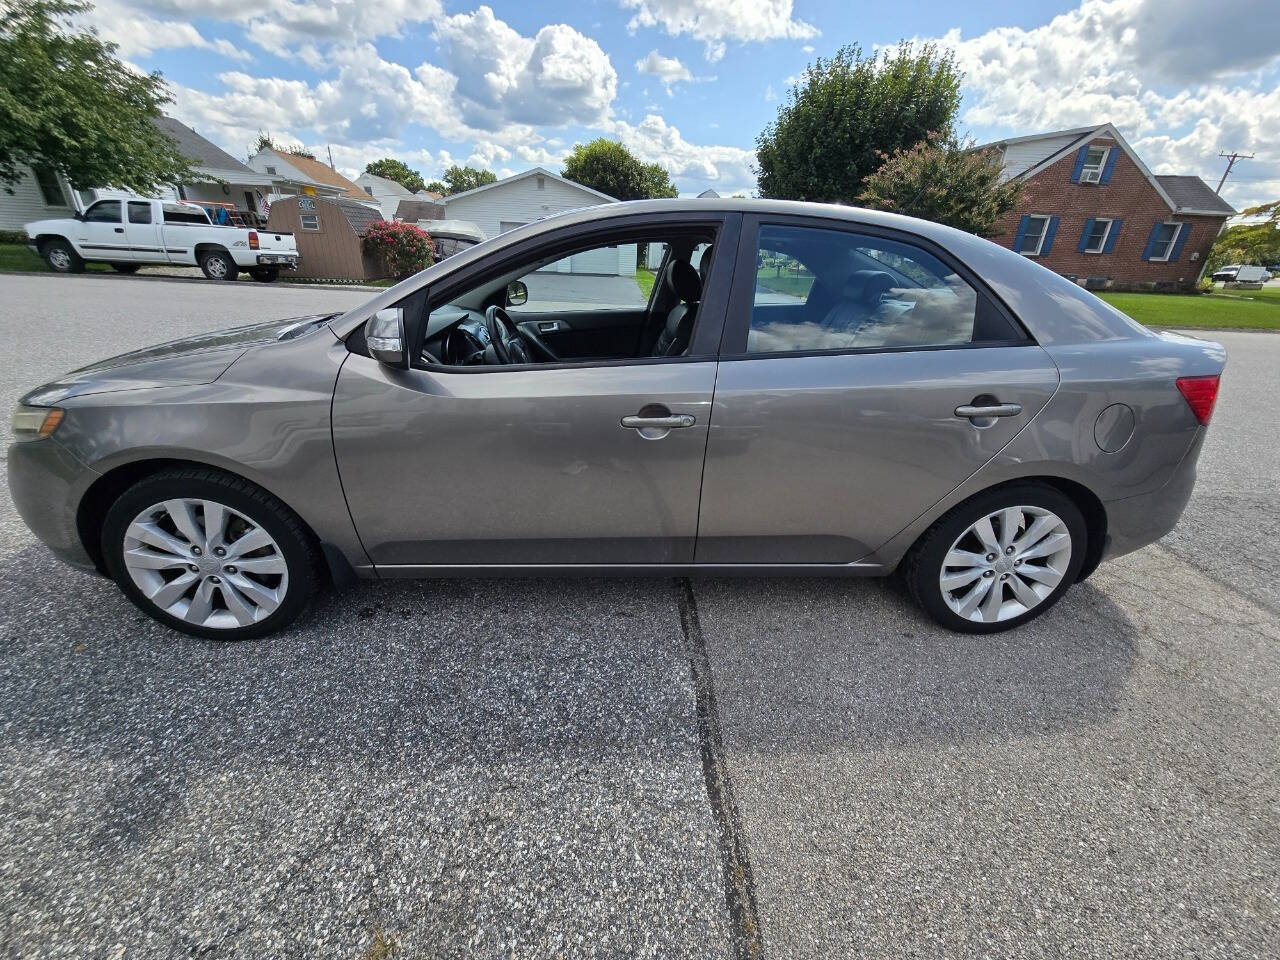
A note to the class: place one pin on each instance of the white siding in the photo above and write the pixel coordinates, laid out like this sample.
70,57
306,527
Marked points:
26,204
1019,157
386,193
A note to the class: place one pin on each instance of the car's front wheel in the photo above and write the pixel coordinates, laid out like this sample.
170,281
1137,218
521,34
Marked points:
60,257
999,559
210,554
218,265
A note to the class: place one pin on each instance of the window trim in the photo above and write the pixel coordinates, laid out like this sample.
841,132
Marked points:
143,204
1173,240
1102,165
101,203
715,301
1106,234
733,343
302,217
36,173
1046,217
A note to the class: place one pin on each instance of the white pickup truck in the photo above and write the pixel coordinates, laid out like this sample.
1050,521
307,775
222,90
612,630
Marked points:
128,234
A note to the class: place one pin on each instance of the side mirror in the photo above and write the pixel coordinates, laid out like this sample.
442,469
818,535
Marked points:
385,336
517,293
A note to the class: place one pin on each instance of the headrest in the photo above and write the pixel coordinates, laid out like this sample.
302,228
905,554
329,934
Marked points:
684,281
868,286
704,265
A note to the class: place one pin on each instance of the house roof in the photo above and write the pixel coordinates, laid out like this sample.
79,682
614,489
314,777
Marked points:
524,176
1188,201
383,184
361,216
419,210
322,173
201,152
1192,193
708,195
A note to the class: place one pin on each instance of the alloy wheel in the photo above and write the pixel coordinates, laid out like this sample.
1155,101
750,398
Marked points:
1005,564
205,563
217,267
59,259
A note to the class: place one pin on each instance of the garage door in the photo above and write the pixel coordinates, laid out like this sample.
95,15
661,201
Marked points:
601,260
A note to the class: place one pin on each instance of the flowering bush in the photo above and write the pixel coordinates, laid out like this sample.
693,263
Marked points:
404,248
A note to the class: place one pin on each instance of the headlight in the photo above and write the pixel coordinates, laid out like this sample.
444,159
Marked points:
35,423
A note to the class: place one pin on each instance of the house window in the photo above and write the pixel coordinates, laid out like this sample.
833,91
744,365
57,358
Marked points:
271,171
309,221
368,190
1096,239
542,182
1094,161
1033,237
50,187
1162,242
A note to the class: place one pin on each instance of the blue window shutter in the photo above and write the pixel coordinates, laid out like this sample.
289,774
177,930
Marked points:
1111,237
1021,234
1050,229
1150,248
1183,232
1084,234
1080,159
1109,165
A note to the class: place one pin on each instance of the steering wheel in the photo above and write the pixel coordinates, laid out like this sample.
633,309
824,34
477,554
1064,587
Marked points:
510,342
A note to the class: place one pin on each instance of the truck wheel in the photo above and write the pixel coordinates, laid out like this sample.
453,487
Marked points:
61,258
265,274
218,265
126,267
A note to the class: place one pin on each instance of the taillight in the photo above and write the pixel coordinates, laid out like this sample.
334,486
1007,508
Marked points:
1200,394
253,239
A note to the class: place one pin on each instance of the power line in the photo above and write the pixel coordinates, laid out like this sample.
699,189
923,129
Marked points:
1231,159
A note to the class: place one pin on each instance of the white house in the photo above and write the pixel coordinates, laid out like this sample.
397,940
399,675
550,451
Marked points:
498,207
387,193
38,195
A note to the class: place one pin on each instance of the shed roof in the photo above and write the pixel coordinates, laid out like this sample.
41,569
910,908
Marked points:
361,216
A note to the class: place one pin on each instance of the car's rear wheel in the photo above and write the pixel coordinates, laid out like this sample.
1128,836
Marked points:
265,274
60,257
125,267
210,554
218,265
998,560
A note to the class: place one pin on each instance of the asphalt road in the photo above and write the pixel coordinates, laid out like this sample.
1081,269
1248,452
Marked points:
564,768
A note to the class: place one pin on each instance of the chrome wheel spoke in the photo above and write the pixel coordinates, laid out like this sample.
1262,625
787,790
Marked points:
147,532
273,564
147,559
263,597
1047,547
974,597
254,539
170,593
986,535
201,604
992,602
237,604
1039,529
1046,575
1010,522
215,524
963,558
183,514
1023,592
959,578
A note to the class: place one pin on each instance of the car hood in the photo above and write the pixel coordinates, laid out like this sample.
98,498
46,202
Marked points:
186,362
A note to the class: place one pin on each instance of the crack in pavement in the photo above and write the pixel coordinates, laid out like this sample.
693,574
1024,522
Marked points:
739,886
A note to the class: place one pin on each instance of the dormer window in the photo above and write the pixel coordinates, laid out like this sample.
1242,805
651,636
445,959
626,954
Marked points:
1094,163
271,170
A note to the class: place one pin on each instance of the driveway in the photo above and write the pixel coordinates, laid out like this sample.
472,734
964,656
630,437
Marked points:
735,768
553,291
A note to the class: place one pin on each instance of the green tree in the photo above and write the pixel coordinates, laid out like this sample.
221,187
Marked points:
460,179
264,142
69,105
945,181
397,170
435,186
1252,243
611,168
847,111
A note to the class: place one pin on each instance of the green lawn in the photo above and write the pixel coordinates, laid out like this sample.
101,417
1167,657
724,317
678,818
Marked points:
1240,310
19,258
791,284
645,279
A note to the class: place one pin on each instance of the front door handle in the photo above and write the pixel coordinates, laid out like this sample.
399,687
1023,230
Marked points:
119,229
971,412
670,422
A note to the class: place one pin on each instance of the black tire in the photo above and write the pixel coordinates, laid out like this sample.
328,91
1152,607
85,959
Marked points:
297,545
61,257
922,568
218,265
126,267
265,274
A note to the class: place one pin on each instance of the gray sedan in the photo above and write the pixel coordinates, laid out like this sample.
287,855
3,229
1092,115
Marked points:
708,387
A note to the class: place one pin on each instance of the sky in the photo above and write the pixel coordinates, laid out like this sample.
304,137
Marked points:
691,83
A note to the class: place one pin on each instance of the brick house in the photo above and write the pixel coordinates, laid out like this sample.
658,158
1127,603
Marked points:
1093,212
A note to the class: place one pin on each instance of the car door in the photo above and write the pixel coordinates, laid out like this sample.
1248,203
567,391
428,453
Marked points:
100,233
573,463
865,374
142,234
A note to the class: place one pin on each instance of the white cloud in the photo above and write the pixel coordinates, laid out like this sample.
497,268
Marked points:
557,77
715,22
138,34
654,140
668,70
1179,85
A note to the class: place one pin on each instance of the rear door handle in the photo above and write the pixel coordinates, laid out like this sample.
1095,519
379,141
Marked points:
969,411
672,422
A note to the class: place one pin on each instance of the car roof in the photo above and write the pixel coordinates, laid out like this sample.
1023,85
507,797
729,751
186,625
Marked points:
1054,309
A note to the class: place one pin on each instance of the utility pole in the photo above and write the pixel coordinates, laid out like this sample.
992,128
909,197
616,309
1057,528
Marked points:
1231,159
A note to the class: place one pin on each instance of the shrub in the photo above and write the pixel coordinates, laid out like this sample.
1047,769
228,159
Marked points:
403,248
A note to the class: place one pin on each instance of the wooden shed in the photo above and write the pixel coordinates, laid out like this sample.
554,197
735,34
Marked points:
330,234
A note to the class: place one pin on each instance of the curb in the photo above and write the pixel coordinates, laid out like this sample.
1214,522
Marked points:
97,275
